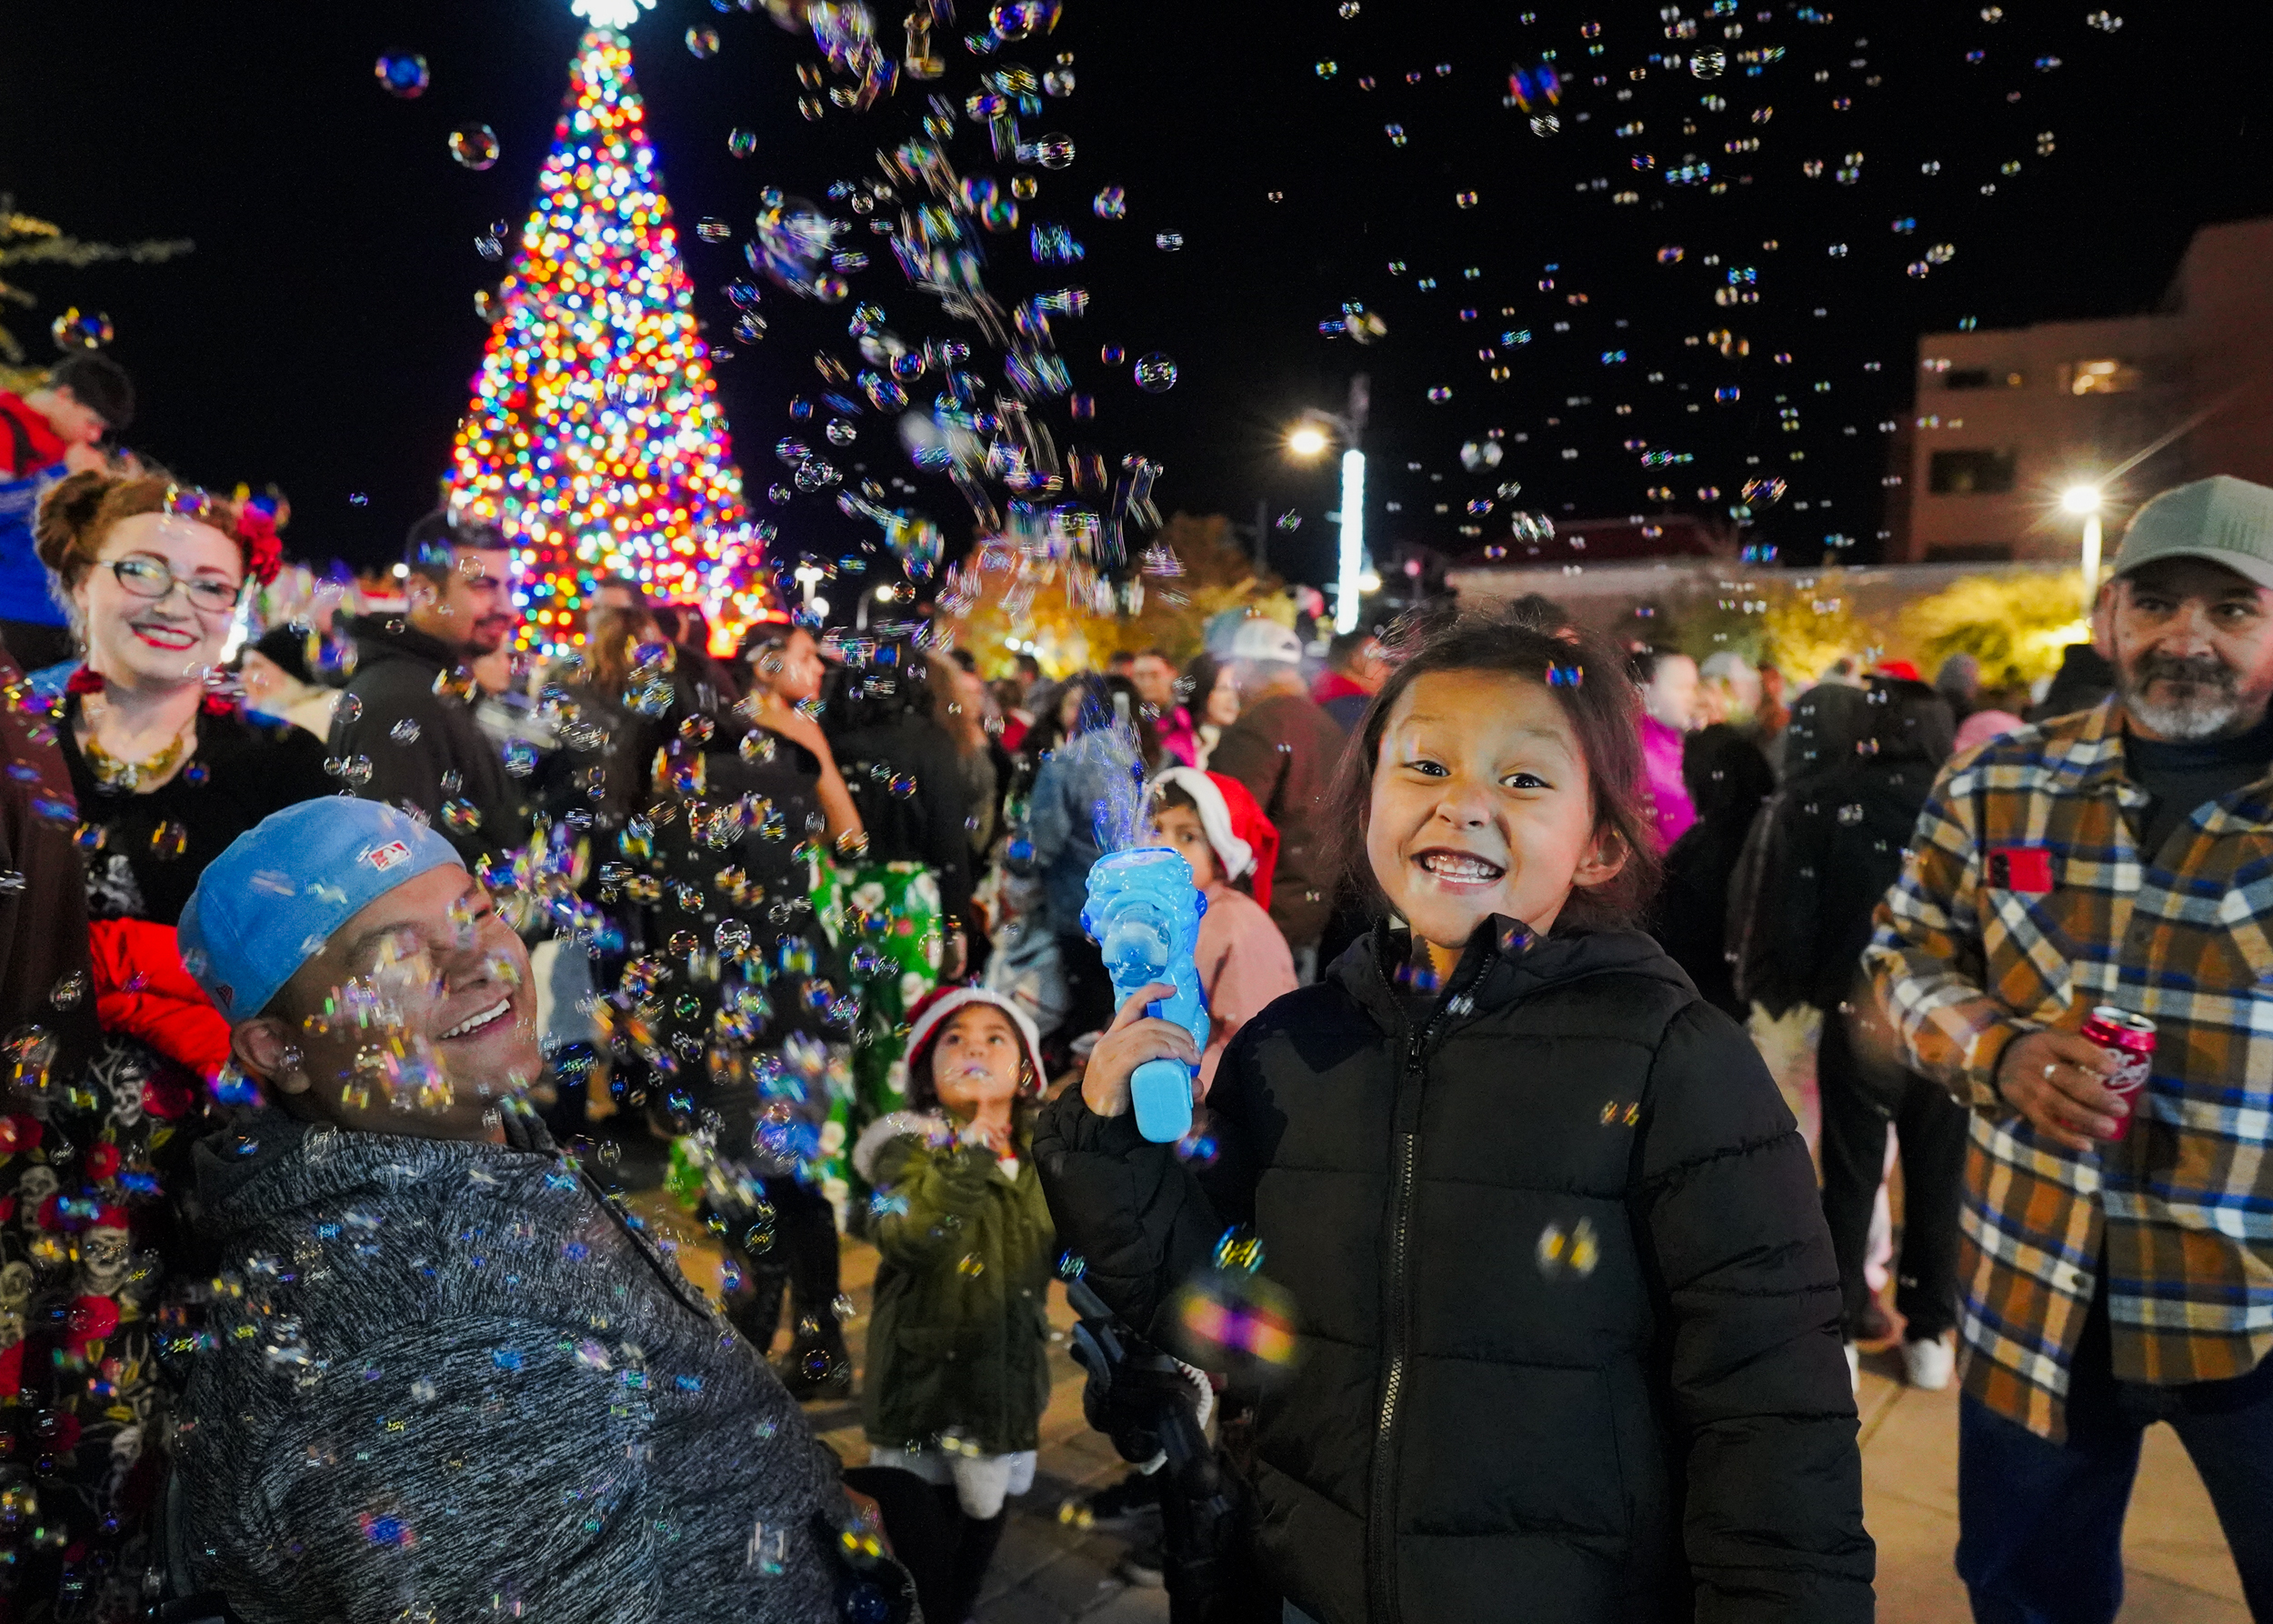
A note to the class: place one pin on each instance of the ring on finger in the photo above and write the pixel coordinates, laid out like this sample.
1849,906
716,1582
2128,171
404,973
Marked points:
2049,1068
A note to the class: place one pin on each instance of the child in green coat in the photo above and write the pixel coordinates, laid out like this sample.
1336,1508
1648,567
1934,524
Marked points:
959,1371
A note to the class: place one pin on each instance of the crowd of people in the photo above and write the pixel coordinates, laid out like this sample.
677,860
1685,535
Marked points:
350,963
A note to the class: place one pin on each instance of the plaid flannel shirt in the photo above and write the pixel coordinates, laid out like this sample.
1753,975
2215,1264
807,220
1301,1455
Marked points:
2182,1209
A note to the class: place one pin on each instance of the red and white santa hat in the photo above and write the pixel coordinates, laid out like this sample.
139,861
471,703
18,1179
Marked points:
936,1008
1246,842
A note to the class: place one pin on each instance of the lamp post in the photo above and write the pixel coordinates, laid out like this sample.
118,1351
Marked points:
1308,439
2087,500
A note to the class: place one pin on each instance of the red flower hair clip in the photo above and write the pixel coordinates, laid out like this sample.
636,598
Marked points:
256,533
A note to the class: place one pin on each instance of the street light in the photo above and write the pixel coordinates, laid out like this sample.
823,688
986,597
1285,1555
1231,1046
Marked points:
2086,500
1309,438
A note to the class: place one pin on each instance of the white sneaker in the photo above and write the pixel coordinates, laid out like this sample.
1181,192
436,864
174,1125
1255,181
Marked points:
1854,1367
1928,1365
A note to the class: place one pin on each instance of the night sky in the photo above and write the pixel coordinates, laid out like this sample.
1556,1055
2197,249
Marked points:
322,333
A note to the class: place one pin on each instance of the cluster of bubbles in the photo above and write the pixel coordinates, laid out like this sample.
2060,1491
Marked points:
1698,120
971,209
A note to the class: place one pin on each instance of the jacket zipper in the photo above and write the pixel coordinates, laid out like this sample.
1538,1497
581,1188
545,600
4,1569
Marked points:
1381,1501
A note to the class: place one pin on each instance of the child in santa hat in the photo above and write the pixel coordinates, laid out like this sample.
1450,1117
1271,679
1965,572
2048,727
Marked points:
959,1342
1242,959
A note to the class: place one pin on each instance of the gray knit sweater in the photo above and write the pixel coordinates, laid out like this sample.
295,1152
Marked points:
447,1380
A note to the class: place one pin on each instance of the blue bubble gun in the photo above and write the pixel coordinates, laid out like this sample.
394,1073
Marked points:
1143,916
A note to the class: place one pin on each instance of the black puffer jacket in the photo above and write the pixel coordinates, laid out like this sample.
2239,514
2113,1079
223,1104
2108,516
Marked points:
1567,1310
441,758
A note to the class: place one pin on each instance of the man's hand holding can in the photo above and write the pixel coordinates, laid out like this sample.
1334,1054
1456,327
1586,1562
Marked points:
2058,1081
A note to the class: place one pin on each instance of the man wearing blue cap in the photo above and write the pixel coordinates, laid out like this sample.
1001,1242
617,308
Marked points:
442,1376
2117,1253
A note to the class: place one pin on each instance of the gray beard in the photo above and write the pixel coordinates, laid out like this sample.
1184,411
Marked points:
2207,709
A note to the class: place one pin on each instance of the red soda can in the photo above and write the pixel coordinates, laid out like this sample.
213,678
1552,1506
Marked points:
2131,1038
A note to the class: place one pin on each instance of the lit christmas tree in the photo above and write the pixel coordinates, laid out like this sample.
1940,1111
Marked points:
595,436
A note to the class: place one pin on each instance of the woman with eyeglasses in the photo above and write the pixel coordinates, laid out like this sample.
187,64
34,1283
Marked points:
167,767
166,771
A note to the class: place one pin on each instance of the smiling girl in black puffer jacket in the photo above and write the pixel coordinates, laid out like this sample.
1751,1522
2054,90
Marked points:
1567,1309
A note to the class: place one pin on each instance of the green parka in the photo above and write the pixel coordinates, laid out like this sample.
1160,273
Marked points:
959,1340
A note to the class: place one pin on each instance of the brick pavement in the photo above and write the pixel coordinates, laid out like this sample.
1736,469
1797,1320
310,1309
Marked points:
2178,1571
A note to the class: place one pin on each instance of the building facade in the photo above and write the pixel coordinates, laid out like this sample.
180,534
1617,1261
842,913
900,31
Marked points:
2007,420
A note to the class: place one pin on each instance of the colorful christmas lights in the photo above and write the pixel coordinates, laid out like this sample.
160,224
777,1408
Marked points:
595,436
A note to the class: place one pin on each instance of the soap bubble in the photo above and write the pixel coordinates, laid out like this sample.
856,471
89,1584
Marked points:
401,74
1110,204
1169,242
702,42
741,142
1239,1323
1155,373
475,147
75,330
1476,455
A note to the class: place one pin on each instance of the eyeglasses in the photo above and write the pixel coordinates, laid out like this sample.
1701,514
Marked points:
150,579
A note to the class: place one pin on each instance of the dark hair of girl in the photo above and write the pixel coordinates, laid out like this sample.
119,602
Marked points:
1586,676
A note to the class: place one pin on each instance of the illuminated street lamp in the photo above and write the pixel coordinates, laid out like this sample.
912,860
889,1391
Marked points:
1310,437
2086,500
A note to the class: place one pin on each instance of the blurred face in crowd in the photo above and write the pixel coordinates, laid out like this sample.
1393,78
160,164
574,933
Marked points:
1070,704
791,671
75,422
455,980
1155,680
265,680
1481,805
473,610
978,1063
1180,828
1222,702
157,604
1367,668
1670,693
2192,645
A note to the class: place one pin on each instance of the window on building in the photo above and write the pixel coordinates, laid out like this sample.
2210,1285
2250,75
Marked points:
1981,377
1970,472
2102,377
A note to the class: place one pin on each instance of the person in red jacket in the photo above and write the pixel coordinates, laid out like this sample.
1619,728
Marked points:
58,429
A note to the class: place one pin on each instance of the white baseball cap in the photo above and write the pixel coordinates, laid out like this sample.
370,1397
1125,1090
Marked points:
1262,639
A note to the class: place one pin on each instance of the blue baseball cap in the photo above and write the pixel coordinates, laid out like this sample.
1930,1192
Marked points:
268,905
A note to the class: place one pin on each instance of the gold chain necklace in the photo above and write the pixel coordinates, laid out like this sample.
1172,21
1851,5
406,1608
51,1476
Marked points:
127,776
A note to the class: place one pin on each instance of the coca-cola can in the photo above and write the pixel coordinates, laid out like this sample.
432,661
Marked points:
2131,1039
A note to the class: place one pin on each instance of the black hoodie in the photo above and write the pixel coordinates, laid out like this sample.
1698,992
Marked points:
1843,826
1566,1307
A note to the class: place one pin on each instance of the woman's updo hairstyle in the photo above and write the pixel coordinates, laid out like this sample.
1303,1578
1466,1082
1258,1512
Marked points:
77,514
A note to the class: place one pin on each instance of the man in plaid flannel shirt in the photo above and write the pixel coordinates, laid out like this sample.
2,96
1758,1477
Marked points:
2123,855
